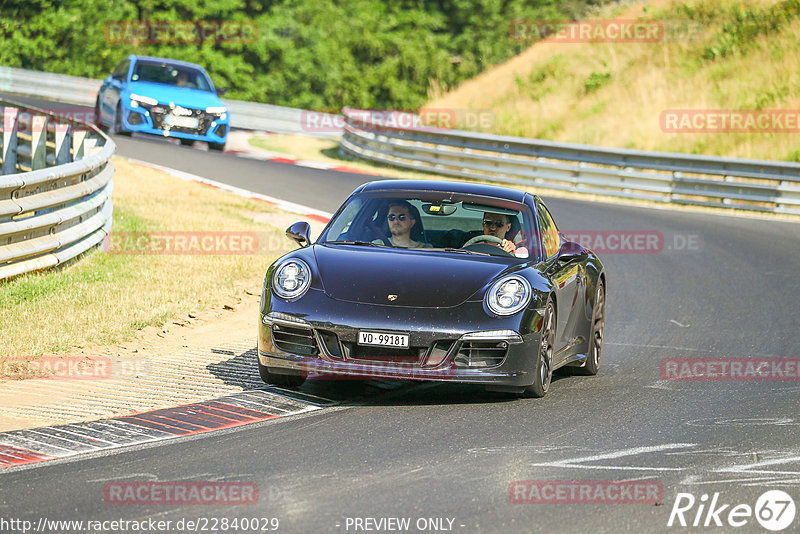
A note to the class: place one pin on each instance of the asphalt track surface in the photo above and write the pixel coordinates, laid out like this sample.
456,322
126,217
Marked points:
426,450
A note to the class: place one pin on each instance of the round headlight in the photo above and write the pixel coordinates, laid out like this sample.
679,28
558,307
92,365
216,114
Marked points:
508,295
291,279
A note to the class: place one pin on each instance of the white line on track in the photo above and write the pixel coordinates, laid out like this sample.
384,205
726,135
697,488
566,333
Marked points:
577,463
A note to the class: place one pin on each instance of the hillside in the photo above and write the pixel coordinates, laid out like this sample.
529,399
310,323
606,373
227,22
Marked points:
310,54
721,55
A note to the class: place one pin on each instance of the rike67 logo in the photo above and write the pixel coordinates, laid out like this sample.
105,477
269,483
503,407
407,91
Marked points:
774,510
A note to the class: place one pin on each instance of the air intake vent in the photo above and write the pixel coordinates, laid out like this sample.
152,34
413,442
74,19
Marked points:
481,353
295,340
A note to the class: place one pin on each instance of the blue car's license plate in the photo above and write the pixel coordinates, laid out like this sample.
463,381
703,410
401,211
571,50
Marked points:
182,122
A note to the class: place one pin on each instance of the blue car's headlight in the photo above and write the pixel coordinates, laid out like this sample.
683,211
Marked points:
220,111
292,279
508,295
139,99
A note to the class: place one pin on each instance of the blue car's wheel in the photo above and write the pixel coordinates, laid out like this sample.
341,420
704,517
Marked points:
118,129
98,120
217,146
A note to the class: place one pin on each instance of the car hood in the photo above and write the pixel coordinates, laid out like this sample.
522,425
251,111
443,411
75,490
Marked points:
420,279
182,96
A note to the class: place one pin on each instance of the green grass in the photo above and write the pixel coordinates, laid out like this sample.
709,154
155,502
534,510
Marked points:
103,298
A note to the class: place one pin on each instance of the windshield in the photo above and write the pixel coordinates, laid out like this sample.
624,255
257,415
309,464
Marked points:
168,74
433,222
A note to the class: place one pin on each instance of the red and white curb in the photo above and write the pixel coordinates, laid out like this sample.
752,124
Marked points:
285,205
299,162
19,447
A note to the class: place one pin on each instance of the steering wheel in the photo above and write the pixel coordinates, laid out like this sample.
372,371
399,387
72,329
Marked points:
483,239
380,235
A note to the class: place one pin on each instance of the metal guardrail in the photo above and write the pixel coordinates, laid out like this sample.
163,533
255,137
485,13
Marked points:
659,176
55,188
244,115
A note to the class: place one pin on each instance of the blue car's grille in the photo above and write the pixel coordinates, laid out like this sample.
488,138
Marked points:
159,114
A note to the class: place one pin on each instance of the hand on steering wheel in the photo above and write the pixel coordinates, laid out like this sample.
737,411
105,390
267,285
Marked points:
504,244
483,239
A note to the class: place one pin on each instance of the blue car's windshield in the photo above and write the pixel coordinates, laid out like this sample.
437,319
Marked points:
168,74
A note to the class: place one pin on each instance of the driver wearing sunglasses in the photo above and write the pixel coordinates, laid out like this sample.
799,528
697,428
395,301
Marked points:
498,225
401,221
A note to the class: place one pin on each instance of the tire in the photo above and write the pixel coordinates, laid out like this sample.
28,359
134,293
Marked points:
98,121
290,381
544,362
596,332
116,129
187,142
216,146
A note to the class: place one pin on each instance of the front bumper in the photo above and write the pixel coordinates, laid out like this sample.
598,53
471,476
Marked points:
210,128
451,345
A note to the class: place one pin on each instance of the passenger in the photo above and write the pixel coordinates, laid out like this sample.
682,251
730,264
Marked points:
498,225
401,221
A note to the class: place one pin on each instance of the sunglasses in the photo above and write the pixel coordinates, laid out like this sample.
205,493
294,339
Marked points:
494,224
402,217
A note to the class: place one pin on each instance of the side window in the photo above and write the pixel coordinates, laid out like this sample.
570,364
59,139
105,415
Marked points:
121,72
551,241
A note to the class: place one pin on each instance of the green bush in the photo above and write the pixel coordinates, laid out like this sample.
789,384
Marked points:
596,80
747,22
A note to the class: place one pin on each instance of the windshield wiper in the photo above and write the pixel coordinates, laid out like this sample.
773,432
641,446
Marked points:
363,243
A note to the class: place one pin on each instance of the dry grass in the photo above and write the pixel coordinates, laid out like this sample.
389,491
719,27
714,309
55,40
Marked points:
612,94
106,298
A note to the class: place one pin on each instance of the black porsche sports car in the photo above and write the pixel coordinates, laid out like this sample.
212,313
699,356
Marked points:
434,280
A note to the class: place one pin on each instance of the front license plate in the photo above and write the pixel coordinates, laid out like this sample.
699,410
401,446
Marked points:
382,339
182,122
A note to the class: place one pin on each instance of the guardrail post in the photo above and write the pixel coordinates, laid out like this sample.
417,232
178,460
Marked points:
79,144
38,142
10,124
62,136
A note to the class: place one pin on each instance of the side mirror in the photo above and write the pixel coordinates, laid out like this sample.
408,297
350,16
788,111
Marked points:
299,232
221,91
571,251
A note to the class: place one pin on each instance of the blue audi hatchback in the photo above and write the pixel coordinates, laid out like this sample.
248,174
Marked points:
164,97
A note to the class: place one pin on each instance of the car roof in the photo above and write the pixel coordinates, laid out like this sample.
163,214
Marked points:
446,186
178,62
